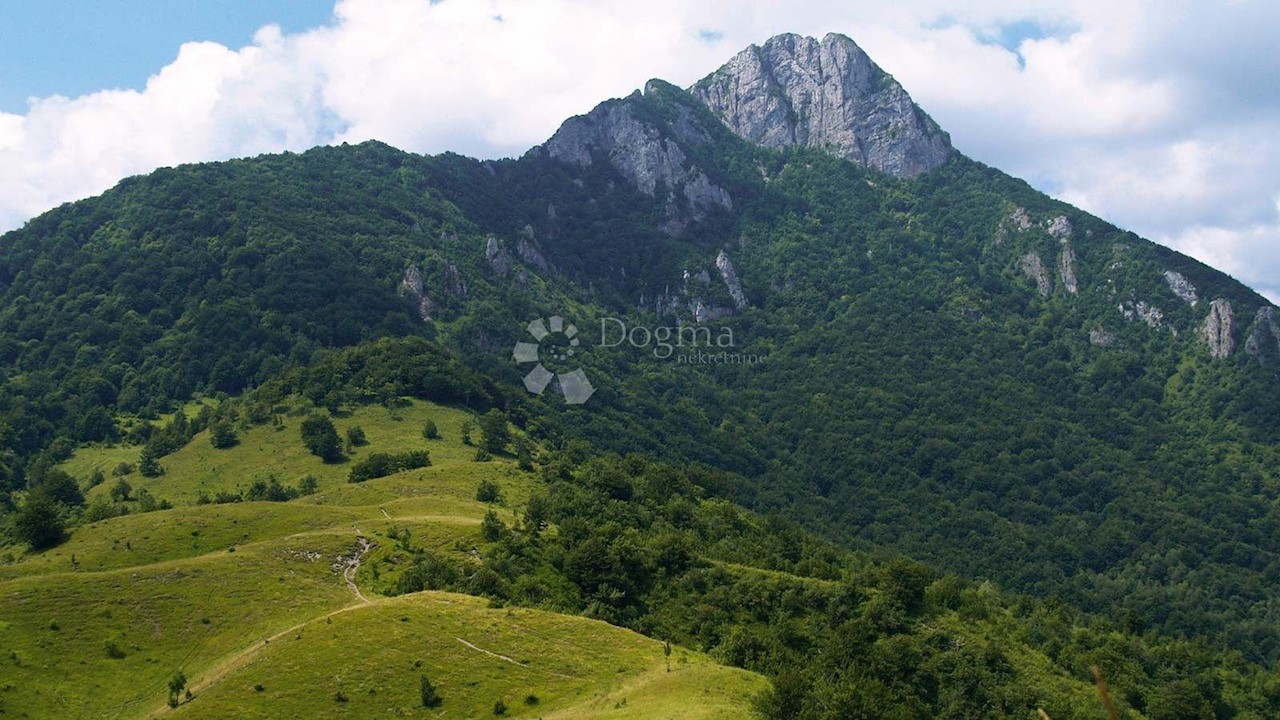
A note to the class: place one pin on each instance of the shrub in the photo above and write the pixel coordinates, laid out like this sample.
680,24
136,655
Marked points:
499,708
321,439
39,522
430,431
430,697
488,492
383,464
491,528
222,435
355,436
494,433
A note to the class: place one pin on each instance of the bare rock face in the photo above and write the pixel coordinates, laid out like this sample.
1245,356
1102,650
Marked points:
731,282
1060,228
1263,343
1033,266
413,286
1181,287
797,91
1020,220
528,251
454,285
1220,329
499,260
1144,311
1067,269
1101,338
645,157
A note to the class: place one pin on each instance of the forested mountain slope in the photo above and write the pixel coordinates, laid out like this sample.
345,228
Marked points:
956,366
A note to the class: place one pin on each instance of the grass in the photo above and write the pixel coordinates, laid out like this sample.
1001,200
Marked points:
253,594
374,655
264,451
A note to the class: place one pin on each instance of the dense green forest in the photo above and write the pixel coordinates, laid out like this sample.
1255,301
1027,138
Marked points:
921,396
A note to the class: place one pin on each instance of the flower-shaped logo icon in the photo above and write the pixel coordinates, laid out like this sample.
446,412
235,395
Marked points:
557,343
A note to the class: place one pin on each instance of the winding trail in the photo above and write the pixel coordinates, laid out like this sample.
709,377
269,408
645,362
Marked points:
245,656
353,564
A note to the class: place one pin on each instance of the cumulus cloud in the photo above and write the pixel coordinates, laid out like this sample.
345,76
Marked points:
1160,120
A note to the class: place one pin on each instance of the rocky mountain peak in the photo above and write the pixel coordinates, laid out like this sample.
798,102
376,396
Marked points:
798,91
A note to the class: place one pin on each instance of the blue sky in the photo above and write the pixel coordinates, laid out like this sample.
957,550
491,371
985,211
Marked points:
1163,118
56,47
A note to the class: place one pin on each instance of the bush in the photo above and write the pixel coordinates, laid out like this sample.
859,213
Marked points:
499,708
122,469
488,492
39,522
222,435
494,433
492,528
430,431
121,491
308,485
383,464
321,438
430,697
355,436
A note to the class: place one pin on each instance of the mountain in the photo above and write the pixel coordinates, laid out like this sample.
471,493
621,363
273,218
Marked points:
828,316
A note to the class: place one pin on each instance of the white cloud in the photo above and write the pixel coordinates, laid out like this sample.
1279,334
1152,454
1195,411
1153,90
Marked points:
1148,116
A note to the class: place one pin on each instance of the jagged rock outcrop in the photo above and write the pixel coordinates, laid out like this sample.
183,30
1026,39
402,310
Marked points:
1263,343
731,282
797,91
496,255
454,285
1033,266
1181,287
1144,311
1020,220
1220,329
640,152
1101,338
527,249
1067,269
1060,228
412,284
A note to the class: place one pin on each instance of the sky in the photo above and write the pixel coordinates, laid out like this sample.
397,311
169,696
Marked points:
1161,117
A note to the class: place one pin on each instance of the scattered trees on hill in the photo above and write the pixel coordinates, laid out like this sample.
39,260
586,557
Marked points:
321,438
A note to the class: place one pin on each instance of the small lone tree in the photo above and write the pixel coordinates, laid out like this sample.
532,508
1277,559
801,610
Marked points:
39,522
177,684
467,427
121,490
222,435
149,463
430,431
666,651
430,698
491,527
494,433
488,492
499,707
321,438
355,437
